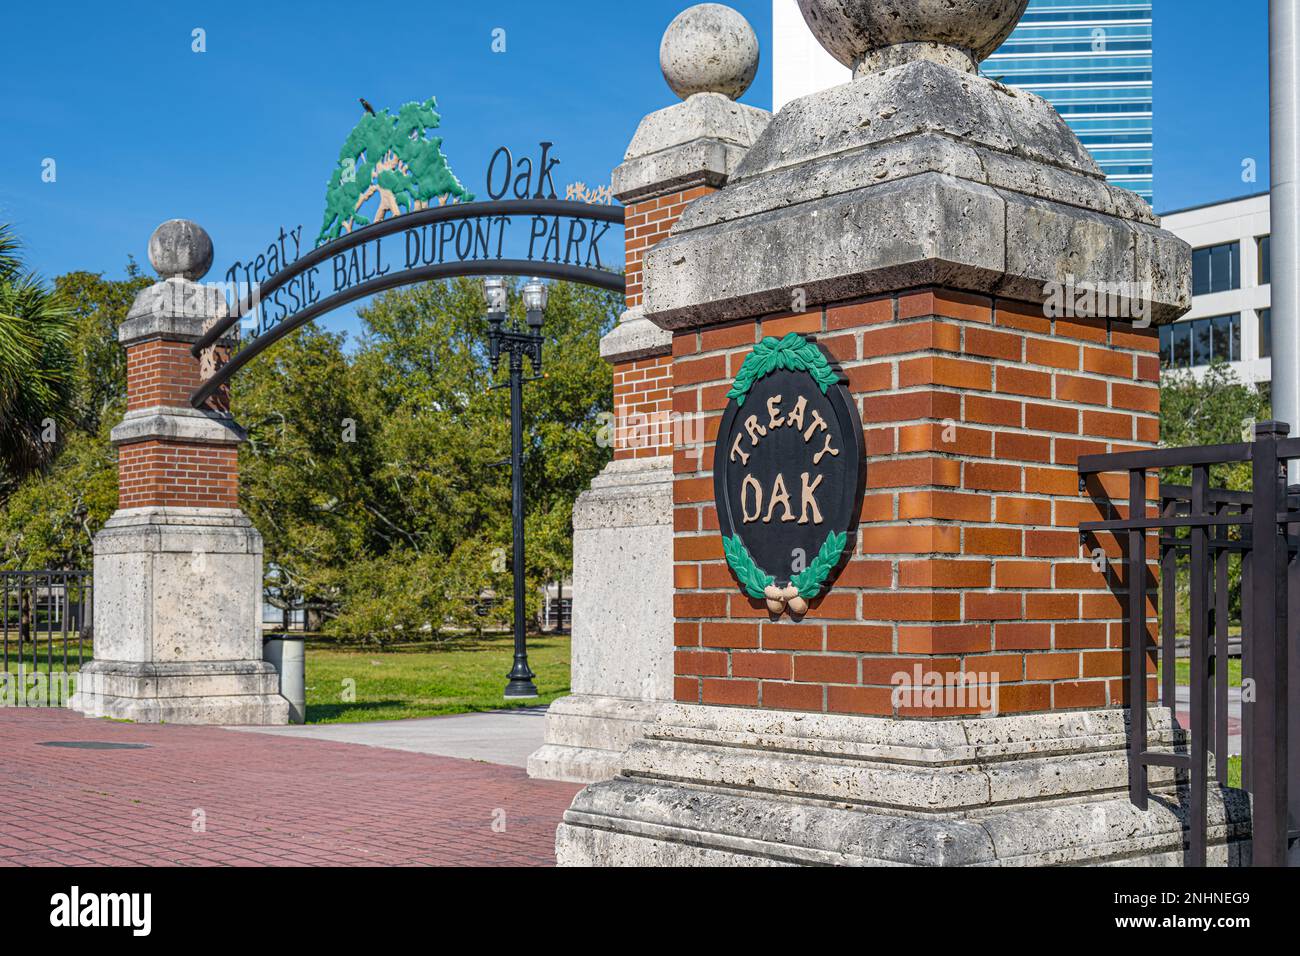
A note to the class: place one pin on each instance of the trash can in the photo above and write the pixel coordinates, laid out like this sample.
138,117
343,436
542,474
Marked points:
287,654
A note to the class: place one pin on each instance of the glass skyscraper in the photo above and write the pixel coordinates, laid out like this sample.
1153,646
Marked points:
1091,59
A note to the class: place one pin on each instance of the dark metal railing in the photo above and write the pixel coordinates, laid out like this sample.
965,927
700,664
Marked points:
557,615
1201,530
46,633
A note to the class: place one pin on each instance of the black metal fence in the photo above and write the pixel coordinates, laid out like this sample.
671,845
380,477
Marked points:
557,615
46,626
1207,534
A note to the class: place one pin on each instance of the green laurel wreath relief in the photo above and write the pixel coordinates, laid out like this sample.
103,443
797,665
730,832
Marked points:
753,579
809,581
794,353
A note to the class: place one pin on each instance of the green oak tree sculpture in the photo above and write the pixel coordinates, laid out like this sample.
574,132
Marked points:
394,158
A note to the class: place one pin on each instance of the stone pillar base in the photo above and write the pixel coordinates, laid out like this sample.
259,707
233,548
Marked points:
178,637
197,692
622,622
587,737
713,786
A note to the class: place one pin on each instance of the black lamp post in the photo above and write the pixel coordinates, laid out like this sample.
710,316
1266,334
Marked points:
517,343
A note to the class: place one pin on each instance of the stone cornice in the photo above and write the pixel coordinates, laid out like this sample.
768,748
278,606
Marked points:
635,337
698,142
920,175
177,425
174,310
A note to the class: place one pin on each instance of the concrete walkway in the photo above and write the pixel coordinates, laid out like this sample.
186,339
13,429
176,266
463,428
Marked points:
504,737
1183,695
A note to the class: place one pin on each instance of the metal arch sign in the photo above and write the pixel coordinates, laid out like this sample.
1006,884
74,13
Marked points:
427,226
435,243
789,473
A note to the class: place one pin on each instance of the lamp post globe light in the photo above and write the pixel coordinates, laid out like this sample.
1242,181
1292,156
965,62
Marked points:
517,343
536,295
494,292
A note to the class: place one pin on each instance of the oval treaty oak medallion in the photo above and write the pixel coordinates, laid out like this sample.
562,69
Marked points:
788,474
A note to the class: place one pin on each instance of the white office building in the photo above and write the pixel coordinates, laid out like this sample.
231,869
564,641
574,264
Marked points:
1230,318
800,65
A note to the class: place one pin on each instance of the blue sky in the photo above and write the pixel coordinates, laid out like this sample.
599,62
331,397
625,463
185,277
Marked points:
1211,99
242,138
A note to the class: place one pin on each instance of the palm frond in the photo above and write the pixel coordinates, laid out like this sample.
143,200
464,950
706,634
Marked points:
36,365
10,264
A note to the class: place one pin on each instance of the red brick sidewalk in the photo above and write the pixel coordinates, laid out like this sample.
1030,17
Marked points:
265,800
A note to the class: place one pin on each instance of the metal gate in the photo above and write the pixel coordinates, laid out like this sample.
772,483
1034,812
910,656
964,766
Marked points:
1203,531
46,622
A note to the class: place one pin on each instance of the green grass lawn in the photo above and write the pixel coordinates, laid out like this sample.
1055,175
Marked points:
416,680
26,683
427,680
44,644
1184,672
27,666
1234,772
40,667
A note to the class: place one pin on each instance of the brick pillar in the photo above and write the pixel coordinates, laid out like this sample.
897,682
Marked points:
968,560
934,233
622,545
159,468
178,568
643,406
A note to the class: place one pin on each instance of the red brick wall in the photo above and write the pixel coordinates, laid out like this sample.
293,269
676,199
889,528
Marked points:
968,558
160,373
643,404
643,388
164,474
646,223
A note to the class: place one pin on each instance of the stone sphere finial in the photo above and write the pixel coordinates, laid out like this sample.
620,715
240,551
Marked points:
709,48
872,35
180,248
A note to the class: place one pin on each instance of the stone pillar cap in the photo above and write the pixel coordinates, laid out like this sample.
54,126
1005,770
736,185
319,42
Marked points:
178,308
912,176
709,48
635,337
709,56
871,35
181,249
190,426
175,310
696,143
